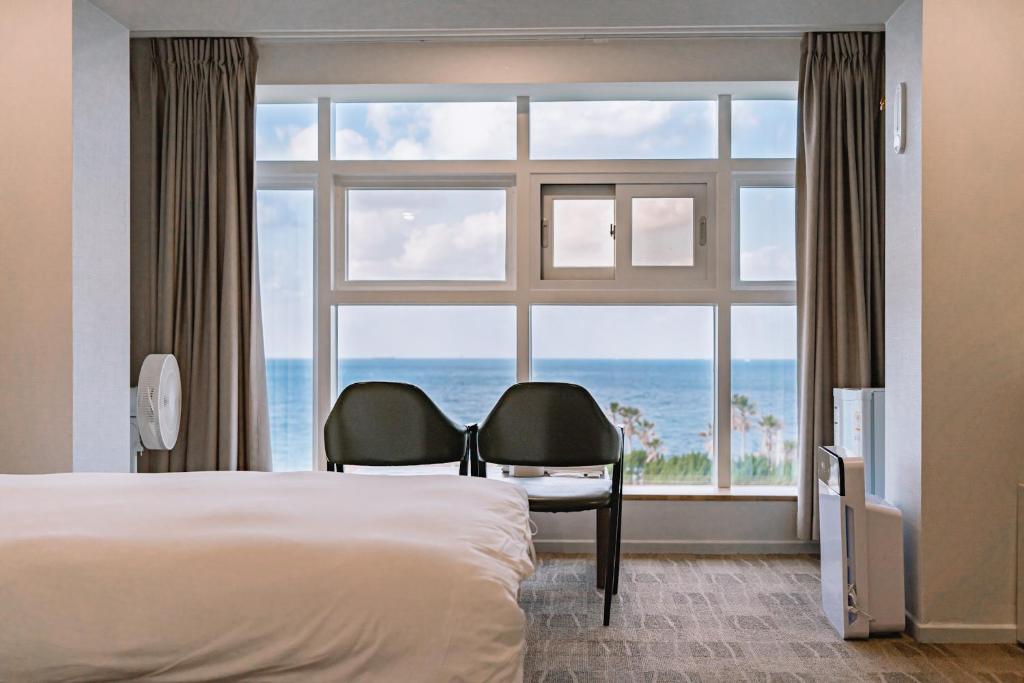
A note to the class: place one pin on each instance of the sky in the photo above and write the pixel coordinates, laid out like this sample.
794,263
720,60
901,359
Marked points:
426,234
403,234
624,130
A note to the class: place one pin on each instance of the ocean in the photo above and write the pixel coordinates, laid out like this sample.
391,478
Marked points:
676,395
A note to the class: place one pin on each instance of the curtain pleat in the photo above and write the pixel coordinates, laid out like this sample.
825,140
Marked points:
195,288
840,237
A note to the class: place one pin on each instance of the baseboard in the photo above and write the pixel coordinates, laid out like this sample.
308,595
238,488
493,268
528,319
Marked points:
684,547
952,632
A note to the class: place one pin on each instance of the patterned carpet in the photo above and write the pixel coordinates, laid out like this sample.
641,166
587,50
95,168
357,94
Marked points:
715,618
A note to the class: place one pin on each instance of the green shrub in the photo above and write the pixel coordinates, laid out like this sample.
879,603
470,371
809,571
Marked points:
688,468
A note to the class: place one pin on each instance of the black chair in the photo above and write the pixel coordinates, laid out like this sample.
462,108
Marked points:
392,423
552,424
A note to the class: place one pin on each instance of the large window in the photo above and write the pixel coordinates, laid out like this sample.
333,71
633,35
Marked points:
624,242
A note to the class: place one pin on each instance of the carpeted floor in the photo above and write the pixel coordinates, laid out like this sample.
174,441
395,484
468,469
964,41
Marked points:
715,618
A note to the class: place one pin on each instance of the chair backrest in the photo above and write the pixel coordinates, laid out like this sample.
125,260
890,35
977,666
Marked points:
391,423
548,423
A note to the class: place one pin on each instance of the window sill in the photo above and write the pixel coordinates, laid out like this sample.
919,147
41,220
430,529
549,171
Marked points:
710,493
649,492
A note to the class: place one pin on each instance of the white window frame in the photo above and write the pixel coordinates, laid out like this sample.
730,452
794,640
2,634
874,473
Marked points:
342,184
622,188
524,287
550,193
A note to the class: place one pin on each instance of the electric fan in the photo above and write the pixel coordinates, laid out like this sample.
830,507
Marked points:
155,405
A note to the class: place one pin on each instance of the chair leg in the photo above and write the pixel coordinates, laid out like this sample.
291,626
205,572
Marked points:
618,549
609,571
601,533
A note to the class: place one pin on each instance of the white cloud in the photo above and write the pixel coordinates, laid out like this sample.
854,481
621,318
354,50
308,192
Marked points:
662,231
430,130
768,263
286,141
623,130
348,144
582,233
458,131
605,119
302,143
422,234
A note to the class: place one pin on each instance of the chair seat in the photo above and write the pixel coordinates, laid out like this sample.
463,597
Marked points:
565,494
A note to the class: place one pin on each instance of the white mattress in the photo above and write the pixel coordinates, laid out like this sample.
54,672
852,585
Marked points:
255,576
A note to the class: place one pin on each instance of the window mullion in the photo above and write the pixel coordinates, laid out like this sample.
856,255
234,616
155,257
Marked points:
722,462
323,338
725,127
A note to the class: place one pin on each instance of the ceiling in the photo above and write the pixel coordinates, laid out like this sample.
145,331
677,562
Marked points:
509,19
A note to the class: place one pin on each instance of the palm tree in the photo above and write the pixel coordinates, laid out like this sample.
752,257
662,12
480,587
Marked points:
627,417
649,441
770,428
743,410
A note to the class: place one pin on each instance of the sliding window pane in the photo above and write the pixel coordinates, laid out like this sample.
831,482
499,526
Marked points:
764,409
767,234
626,129
764,129
662,231
425,130
286,132
650,368
426,234
284,220
582,233
464,357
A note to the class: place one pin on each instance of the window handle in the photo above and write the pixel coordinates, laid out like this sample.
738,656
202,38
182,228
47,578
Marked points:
611,230
703,234
544,232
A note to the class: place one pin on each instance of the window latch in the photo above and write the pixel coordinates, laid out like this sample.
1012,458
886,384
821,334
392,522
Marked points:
703,235
611,230
544,230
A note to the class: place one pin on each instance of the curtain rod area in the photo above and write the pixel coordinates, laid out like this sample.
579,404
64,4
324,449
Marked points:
519,35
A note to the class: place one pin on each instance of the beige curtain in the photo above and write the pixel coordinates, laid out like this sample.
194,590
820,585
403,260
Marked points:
840,239
194,281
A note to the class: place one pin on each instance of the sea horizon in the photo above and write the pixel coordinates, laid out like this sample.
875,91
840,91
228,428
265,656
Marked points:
675,394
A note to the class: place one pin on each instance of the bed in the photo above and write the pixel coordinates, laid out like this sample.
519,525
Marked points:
308,576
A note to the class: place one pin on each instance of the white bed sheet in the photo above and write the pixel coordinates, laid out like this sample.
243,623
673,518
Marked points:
257,576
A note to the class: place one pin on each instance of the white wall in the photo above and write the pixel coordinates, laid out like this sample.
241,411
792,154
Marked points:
955,441
677,526
686,59
417,18
903,289
100,238
35,236
64,228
